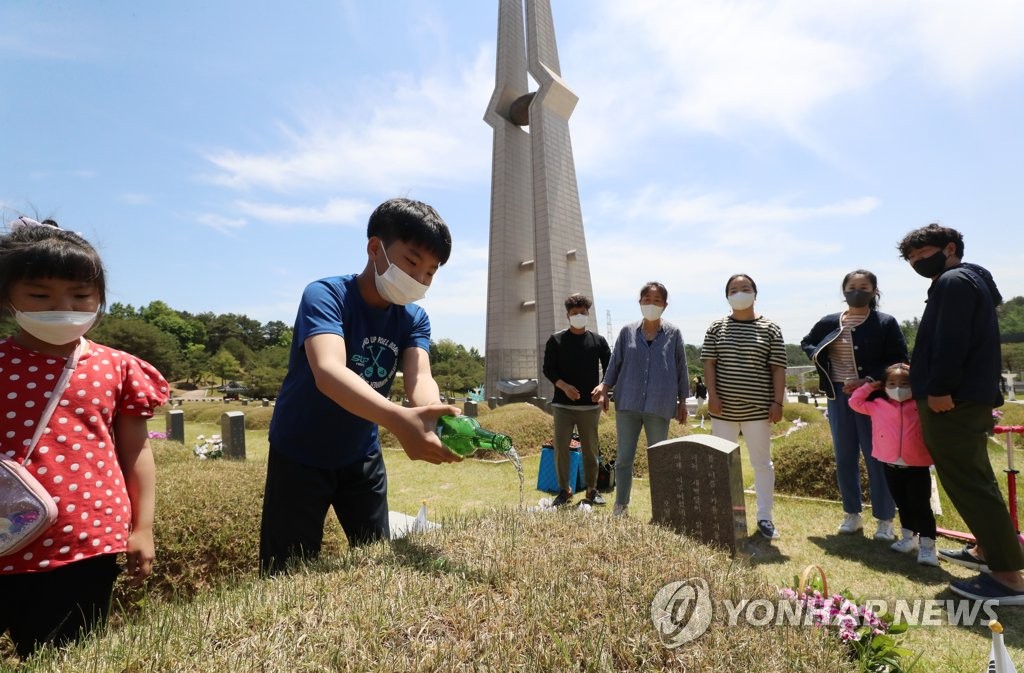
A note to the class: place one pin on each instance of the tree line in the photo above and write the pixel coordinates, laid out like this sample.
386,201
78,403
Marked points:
195,350
191,348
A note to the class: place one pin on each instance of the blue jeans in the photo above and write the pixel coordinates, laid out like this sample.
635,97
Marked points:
627,431
851,437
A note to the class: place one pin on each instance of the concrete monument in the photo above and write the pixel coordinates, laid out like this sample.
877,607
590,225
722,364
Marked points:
538,253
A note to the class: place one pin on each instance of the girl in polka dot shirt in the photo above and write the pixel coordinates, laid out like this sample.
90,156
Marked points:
93,457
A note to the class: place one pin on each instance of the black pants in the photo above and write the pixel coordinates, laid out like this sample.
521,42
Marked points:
911,489
58,606
296,500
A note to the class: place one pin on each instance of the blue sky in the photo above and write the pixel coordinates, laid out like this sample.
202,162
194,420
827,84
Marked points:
221,155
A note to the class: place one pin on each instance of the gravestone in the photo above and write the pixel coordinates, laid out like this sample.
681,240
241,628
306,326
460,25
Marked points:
803,398
232,429
492,402
266,402
469,408
176,425
1011,395
697,489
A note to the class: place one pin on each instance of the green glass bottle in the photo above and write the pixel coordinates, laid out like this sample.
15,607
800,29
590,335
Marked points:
464,436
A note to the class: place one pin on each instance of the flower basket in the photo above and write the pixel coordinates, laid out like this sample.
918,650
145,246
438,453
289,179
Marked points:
871,638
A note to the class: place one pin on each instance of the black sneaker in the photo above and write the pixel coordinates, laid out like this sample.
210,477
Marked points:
594,498
563,498
963,557
767,529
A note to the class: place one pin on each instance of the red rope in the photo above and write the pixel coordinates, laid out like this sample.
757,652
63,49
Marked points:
1000,429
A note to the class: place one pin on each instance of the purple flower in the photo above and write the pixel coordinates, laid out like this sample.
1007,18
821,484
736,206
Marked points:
847,635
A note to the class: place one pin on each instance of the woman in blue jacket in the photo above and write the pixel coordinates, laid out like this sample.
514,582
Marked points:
849,349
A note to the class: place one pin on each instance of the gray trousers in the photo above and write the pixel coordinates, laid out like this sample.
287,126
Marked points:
585,421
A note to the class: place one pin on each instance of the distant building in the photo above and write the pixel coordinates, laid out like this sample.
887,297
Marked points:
233,390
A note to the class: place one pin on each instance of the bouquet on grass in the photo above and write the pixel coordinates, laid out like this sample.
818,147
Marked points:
212,447
871,637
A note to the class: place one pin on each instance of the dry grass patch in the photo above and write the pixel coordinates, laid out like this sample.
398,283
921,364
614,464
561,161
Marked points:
497,591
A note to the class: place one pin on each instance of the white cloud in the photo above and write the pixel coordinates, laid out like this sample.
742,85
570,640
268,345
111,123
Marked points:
344,212
225,225
394,134
693,242
674,210
135,199
967,45
669,68
21,46
460,287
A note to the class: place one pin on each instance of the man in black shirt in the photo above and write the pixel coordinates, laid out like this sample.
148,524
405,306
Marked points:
575,360
954,376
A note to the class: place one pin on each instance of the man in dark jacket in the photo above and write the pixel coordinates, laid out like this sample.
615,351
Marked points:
575,360
954,374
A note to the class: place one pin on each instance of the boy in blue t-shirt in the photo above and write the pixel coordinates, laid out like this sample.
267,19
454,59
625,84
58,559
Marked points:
352,333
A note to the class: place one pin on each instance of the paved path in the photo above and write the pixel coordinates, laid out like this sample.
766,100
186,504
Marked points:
193,394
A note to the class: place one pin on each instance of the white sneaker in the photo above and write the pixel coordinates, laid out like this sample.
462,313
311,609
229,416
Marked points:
885,530
907,543
926,555
851,524
621,510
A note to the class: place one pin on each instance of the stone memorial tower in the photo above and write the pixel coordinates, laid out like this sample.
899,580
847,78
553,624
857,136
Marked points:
538,253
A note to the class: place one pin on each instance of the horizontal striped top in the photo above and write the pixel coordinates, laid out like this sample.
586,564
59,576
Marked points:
744,352
840,351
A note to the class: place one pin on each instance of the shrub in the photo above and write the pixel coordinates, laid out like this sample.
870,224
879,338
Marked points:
805,464
257,416
207,523
808,413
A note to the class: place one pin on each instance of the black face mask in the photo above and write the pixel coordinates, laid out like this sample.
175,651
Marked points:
932,265
858,298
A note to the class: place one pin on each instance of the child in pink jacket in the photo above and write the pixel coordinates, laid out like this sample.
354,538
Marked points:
897,442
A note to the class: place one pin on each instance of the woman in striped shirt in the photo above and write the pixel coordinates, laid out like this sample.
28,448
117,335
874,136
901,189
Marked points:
850,349
745,372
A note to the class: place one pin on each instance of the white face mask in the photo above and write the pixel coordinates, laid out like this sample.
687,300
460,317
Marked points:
741,300
651,311
579,320
900,394
398,287
56,327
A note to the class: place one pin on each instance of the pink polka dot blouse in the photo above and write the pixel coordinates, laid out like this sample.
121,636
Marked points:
75,459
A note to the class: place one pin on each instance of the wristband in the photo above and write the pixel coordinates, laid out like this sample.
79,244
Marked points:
778,403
